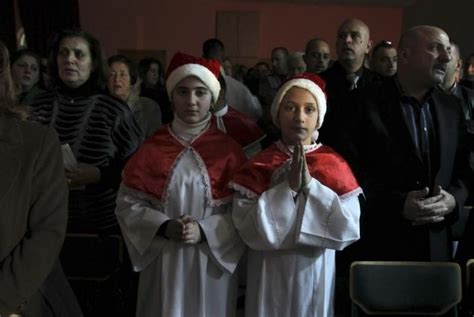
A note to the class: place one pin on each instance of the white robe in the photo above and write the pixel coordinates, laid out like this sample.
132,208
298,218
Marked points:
177,279
291,261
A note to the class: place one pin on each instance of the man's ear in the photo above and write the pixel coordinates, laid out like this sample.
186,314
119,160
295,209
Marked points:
402,55
459,64
369,46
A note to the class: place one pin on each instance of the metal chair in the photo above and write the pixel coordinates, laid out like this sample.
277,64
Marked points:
379,288
469,291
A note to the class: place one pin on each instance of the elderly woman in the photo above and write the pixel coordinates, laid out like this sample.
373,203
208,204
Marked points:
25,70
33,212
122,79
98,134
297,203
174,205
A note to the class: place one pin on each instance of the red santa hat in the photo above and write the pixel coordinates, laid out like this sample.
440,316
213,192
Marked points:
184,65
312,83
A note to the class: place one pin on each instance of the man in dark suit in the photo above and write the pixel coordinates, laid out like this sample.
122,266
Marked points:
411,158
347,74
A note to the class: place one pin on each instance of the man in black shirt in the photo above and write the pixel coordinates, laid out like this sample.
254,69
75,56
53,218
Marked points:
346,74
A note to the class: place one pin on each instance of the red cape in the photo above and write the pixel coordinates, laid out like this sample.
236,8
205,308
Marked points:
150,168
324,164
241,128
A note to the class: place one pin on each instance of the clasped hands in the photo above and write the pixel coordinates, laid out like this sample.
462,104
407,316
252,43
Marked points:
423,209
299,176
184,229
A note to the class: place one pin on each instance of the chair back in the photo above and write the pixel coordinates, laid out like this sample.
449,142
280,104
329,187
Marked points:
405,288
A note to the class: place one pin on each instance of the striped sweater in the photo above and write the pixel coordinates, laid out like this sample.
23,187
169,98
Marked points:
101,131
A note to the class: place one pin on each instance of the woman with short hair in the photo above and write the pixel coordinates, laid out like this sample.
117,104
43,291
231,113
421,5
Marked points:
121,84
98,134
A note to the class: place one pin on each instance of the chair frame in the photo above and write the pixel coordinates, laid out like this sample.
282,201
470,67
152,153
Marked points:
367,311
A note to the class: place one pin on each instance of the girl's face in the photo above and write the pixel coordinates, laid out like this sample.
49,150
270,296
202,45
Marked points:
191,100
298,116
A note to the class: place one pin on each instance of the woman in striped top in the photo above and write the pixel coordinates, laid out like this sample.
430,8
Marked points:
99,130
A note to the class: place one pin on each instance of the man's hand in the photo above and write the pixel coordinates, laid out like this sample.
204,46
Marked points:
421,209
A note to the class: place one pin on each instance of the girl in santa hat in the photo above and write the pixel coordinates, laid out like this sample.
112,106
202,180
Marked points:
297,203
174,207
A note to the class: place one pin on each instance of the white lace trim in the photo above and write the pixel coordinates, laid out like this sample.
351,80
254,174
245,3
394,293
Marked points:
207,182
165,194
288,149
355,192
243,190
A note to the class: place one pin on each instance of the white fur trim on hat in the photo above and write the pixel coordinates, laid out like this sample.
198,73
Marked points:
307,84
200,71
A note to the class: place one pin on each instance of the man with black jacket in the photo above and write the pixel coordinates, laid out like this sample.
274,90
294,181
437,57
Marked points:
411,157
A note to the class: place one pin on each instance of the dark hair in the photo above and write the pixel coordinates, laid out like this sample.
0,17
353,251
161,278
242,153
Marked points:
382,44
262,64
132,69
98,74
145,64
22,52
9,106
280,48
210,45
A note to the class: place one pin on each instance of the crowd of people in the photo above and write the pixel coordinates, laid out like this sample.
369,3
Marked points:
213,189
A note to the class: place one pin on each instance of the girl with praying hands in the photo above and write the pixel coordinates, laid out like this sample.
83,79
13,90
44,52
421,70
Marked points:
296,204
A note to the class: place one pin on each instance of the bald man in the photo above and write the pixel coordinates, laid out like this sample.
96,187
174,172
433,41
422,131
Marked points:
411,159
296,64
383,59
465,95
346,74
317,55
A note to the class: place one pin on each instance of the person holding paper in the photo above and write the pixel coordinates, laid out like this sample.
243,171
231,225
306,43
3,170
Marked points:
102,135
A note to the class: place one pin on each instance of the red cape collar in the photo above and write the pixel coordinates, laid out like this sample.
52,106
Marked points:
150,168
239,126
324,164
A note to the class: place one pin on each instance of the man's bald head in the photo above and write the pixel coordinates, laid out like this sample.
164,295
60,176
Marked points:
350,23
352,44
317,55
411,37
296,64
423,56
